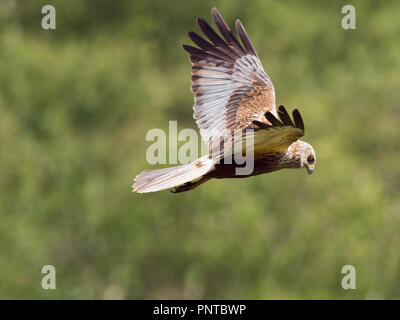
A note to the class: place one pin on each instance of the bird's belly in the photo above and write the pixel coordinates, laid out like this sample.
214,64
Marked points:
268,163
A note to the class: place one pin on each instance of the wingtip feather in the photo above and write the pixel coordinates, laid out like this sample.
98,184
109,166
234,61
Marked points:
298,120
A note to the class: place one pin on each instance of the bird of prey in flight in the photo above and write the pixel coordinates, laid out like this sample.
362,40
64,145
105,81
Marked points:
232,92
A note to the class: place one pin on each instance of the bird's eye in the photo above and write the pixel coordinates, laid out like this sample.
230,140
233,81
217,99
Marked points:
310,160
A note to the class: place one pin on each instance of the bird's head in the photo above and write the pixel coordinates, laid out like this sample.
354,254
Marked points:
301,154
308,158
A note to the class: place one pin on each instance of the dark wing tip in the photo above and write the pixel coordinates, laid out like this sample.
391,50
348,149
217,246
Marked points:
220,23
192,50
210,33
226,32
187,48
261,125
284,116
298,119
245,38
271,118
203,44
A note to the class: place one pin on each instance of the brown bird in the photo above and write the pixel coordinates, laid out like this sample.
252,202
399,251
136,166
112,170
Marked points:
233,94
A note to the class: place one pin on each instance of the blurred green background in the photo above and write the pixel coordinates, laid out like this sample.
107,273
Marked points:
76,104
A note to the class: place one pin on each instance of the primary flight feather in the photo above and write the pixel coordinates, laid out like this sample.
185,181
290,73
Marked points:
232,93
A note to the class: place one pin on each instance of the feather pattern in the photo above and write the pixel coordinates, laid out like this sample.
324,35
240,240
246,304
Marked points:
230,86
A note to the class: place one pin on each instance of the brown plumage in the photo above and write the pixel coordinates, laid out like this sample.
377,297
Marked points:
232,93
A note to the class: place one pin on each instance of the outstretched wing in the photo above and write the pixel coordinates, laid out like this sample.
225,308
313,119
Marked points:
230,86
277,136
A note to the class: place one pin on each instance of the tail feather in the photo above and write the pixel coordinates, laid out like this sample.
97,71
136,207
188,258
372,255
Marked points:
166,178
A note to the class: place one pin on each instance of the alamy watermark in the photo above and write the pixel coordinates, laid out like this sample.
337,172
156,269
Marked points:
49,280
349,280
49,20
349,20
231,147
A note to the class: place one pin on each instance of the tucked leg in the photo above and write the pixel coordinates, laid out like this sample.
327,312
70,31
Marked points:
190,185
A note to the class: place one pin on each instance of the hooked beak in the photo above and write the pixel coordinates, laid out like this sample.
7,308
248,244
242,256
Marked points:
310,169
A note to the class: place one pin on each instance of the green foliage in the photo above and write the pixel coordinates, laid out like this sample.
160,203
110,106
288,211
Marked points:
75,106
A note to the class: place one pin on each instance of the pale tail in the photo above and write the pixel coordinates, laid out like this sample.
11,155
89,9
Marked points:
166,178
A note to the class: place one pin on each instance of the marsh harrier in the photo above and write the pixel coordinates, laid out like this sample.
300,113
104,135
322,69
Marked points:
232,93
